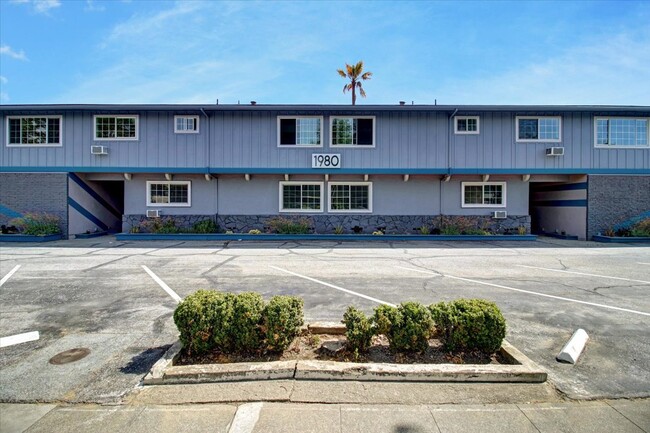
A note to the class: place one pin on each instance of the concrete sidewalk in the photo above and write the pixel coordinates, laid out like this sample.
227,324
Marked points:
605,416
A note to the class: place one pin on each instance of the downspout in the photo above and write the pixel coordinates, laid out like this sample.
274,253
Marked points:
449,126
207,157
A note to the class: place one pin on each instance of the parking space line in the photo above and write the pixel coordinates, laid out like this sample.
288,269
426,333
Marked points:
11,272
162,284
583,273
593,304
19,338
370,298
641,263
246,418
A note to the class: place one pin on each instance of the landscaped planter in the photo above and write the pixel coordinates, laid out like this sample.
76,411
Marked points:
30,238
319,237
621,239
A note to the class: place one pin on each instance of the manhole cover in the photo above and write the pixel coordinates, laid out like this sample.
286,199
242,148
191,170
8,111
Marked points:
69,356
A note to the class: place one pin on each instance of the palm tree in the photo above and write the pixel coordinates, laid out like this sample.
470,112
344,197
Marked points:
355,74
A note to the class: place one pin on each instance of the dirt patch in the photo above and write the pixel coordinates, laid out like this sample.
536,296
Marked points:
332,348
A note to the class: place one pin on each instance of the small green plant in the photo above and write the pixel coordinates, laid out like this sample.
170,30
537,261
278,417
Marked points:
281,322
194,318
134,229
521,230
229,232
313,340
641,229
254,232
378,233
384,317
425,230
469,324
205,226
338,230
168,226
407,327
358,330
288,226
610,232
37,224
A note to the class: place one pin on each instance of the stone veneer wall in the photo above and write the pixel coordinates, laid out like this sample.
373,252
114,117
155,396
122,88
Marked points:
614,199
35,192
182,221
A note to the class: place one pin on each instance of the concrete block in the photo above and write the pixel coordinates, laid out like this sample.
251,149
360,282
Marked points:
17,418
229,372
574,347
387,419
482,418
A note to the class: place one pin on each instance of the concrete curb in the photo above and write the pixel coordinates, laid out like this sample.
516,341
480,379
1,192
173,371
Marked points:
524,371
316,237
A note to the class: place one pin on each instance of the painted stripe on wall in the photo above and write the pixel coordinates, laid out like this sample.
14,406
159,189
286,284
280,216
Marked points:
561,203
76,206
109,207
9,212
561,187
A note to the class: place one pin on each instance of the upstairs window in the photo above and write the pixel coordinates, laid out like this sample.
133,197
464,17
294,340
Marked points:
116,128
484,194
300,131
34,131
621,132
466,125
173,193
186,124
353,131
532,128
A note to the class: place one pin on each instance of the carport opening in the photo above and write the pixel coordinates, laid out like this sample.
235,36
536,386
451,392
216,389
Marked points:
95,203
559,208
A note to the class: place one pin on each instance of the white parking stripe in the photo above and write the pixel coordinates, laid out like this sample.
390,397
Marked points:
379,301
583,273
641,263
20,338
162,284
245,418
11,272
593,304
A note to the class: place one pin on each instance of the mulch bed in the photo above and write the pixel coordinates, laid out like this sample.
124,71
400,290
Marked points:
332,348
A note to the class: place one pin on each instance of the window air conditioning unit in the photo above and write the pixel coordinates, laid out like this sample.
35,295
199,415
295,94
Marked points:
499,214
153,213
99,150
555,151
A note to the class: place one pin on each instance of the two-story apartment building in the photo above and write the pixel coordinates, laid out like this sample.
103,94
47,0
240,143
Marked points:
576,169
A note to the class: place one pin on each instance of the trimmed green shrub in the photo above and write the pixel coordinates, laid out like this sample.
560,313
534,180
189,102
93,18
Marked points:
205,226
407,327
222,320
288,226
358,330
469,324
281,322
194,318
641,229
247,311
37,224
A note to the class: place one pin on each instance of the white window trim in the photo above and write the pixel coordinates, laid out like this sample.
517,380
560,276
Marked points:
523,140
478,125
119,116
59,144
172,182
329,197
291,146
182,131
354,146
616,146
462,198
297,182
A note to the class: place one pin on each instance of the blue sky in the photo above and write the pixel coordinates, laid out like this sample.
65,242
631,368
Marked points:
524,52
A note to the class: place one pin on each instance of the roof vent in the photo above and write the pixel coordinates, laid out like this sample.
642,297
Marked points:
253,102
402,102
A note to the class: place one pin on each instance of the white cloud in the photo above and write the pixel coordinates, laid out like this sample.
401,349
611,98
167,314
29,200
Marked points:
4,97
92,6
7,51
40,6
3,80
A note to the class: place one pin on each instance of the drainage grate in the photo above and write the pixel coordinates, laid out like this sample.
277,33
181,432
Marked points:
69,356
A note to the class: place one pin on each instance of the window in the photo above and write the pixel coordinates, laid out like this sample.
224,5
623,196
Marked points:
301,197
116,127
484,194
353,131
34,131
350,197
300,131
621,132
530,128
466,125
175,193
186,124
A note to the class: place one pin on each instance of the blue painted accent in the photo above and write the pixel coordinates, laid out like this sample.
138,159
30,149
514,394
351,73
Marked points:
87,214
30,238
562,187
10,212
561,203
98,198
621,239
632,221
308,170
316,237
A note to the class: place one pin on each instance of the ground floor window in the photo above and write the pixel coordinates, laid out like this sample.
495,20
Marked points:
350,197
483,194
301,197
173,193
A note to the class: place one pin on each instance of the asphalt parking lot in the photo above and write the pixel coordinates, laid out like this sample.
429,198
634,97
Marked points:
98,294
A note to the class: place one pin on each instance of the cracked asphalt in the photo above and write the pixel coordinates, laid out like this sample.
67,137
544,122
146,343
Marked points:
94,293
